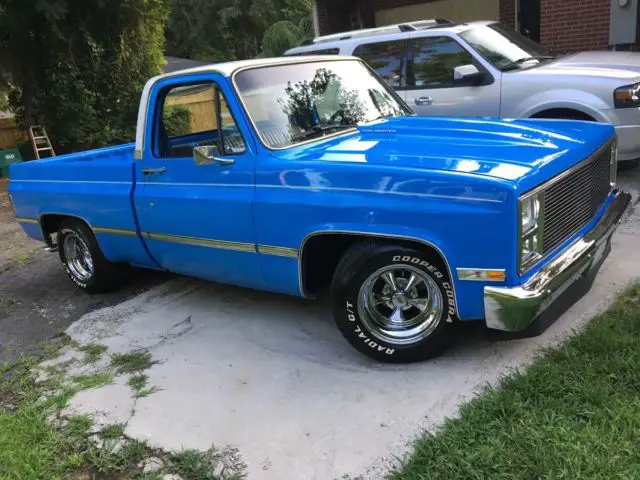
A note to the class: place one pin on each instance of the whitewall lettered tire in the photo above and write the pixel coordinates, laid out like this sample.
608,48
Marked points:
392,303
83,260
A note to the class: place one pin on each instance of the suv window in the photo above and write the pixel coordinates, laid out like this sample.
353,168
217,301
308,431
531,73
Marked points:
388,59
194,115
433,62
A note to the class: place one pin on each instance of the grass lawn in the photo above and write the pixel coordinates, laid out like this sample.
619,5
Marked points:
33,448
574,414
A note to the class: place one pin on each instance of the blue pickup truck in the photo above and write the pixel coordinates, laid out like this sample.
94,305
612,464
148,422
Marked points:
307,174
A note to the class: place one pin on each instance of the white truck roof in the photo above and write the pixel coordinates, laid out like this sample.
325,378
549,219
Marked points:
226,69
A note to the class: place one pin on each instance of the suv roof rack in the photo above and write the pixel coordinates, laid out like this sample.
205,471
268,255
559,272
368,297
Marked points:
366,32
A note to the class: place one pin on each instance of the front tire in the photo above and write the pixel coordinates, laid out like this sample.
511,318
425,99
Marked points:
83,260
393,304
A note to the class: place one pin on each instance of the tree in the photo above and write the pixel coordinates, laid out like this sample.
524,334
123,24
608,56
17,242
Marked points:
78,66
280,37
303,98
221,30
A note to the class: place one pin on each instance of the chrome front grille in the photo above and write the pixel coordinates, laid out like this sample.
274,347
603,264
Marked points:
573,200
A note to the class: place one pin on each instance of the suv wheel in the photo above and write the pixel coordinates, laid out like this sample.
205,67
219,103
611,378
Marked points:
393,304
628,165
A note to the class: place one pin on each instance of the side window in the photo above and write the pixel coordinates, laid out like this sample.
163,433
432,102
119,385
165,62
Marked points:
194,115
434,59
388,59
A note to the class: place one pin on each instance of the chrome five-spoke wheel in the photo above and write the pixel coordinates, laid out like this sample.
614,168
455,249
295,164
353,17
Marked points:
400,304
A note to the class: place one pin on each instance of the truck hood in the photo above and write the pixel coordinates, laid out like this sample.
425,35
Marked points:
622,65
523,152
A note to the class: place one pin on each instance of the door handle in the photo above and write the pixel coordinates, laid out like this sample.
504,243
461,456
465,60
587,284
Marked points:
424,100
222,161
153,171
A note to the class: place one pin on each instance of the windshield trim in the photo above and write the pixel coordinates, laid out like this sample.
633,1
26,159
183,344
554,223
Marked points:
324,137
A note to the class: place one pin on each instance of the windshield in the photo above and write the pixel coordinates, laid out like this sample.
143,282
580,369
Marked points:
505,48
289,104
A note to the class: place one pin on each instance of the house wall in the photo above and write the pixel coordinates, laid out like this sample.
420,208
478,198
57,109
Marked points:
333,15
508,12
455,10
574,26
565,26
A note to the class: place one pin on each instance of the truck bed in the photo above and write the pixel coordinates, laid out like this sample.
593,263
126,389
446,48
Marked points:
76,166
95,186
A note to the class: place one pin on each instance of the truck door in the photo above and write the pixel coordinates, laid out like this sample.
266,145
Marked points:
431,89
195,212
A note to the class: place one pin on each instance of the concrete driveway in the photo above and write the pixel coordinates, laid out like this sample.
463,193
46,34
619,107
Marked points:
272,377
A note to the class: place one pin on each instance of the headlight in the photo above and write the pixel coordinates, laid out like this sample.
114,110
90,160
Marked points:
613,173
530,231
530,211
627,97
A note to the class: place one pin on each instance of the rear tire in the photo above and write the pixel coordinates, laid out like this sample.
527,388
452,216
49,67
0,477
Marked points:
83,260
392,303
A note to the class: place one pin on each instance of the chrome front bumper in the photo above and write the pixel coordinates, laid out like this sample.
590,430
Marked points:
514,309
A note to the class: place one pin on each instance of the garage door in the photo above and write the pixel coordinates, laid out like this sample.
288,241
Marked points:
456,10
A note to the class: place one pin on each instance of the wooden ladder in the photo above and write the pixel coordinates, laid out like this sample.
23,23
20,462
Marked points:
40,141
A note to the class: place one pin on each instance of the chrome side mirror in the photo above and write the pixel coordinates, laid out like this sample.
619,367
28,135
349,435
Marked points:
468,75
209,155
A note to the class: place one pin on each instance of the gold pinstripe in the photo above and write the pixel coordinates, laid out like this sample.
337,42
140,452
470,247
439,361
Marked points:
115,231
278,251
200,242
26,220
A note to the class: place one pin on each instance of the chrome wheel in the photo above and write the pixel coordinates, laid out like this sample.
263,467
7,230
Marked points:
400,304
78,257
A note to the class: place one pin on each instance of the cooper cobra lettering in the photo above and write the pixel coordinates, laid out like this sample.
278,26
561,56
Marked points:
420,262
436,273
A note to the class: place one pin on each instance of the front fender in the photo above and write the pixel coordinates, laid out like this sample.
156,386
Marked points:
384,231
572,99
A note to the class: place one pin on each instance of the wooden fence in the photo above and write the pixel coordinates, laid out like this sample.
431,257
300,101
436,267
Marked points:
10,135
199,100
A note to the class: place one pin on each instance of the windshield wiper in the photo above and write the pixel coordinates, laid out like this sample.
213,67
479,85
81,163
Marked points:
526,59
317,129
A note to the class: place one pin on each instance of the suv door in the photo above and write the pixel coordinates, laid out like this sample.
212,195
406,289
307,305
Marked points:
389,60
431,88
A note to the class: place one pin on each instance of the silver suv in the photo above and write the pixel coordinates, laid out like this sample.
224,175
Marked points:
486,69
